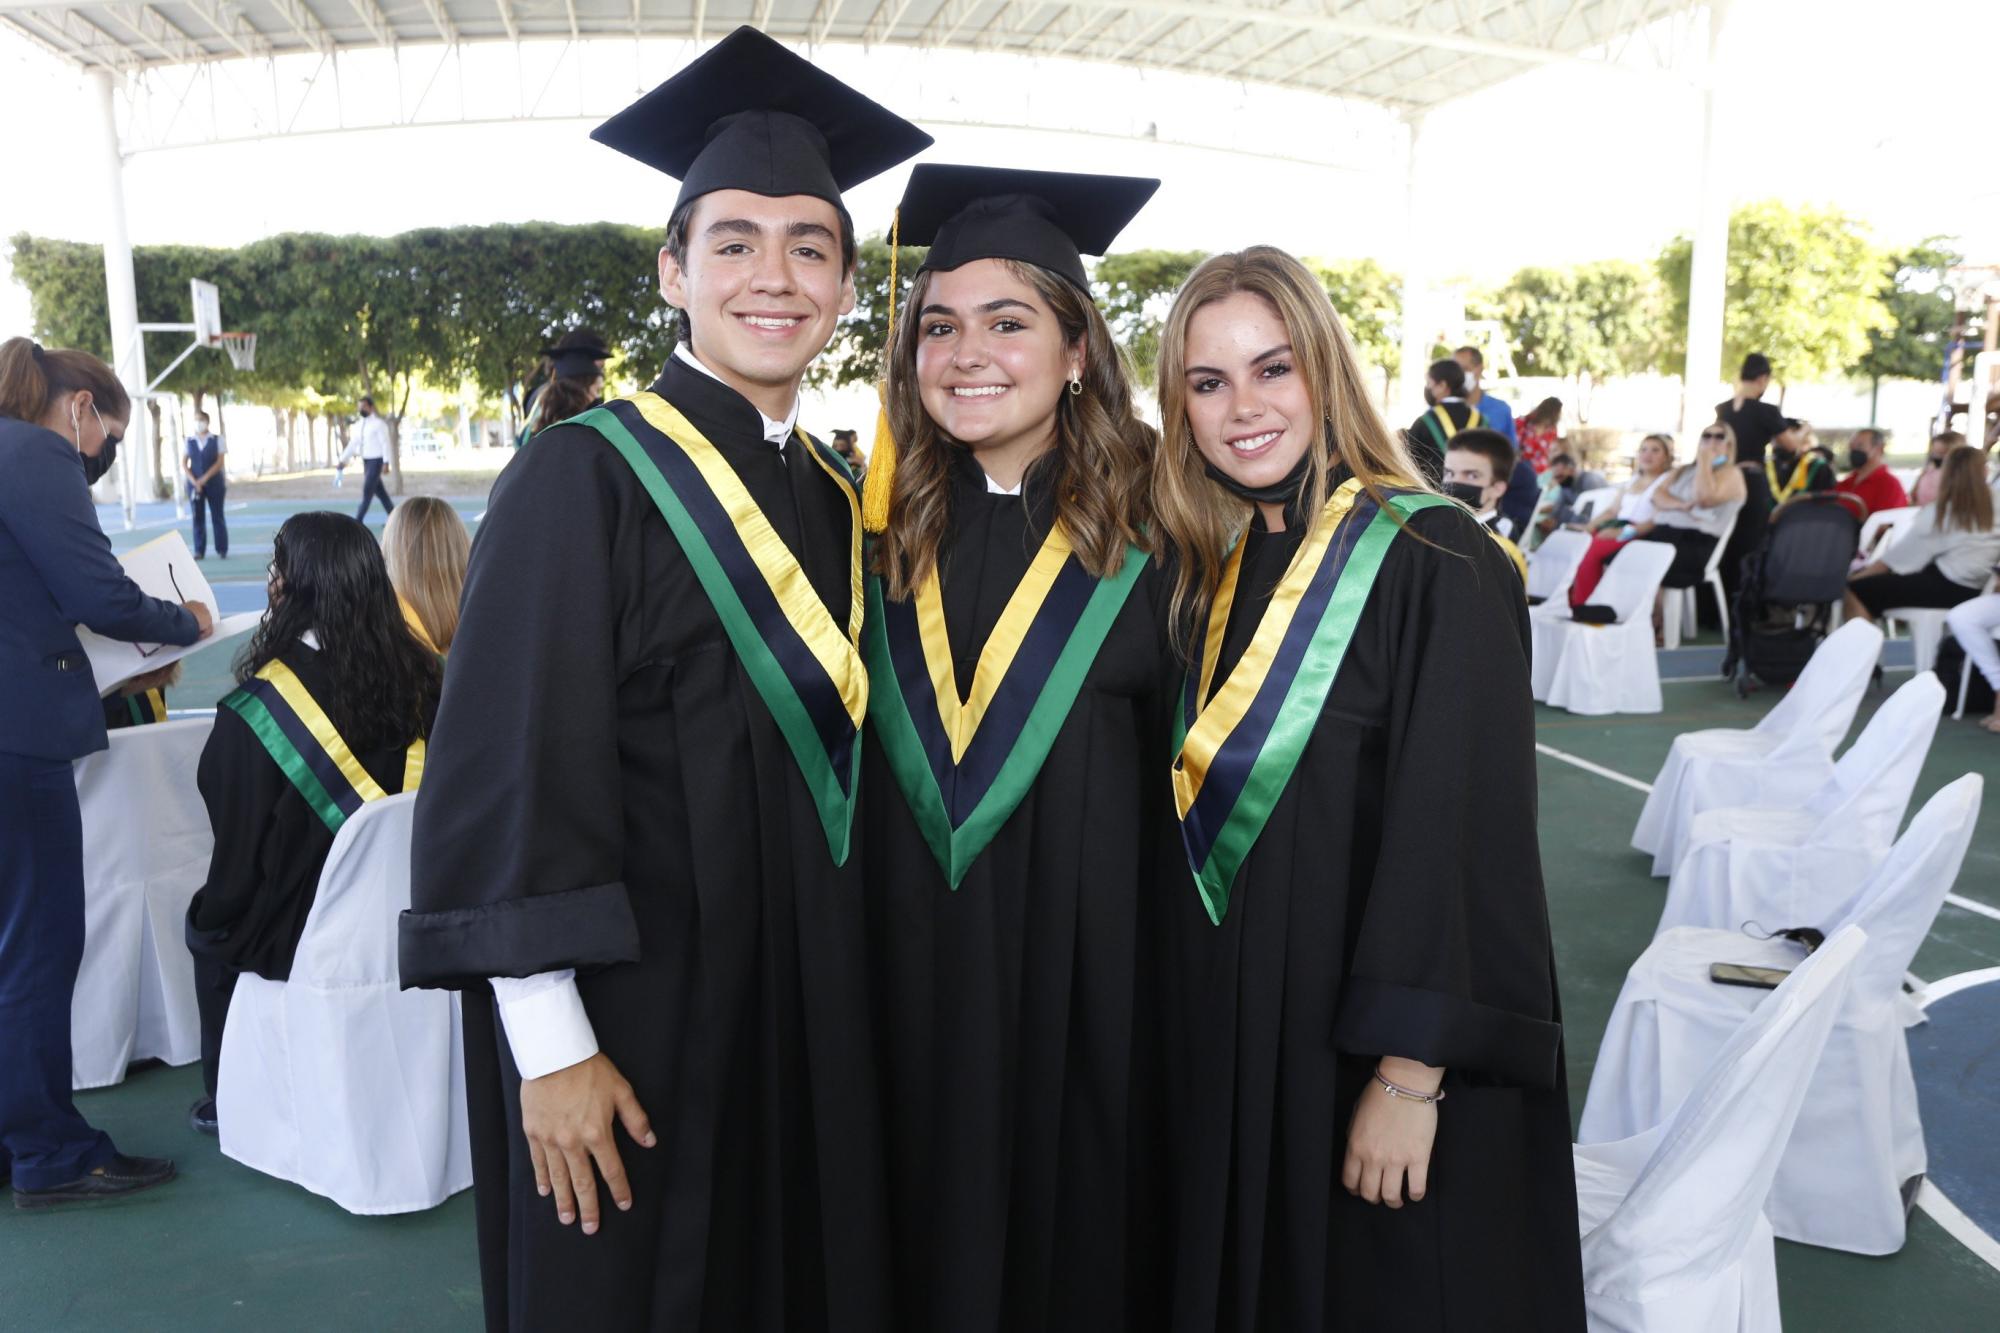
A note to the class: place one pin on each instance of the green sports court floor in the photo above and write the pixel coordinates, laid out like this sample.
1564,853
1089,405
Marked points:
225,1248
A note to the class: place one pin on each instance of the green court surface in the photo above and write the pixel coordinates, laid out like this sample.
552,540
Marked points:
226,1248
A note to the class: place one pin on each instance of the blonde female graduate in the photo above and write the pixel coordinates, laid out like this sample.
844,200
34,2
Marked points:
1018,694
1371,1123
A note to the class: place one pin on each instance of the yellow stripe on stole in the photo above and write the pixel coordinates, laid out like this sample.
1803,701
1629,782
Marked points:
1219,716
961,721
293,691
413,765
839,655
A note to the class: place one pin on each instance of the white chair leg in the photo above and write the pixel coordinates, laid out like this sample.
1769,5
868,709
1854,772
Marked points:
1670,617
1721,603
1964,684
1690,623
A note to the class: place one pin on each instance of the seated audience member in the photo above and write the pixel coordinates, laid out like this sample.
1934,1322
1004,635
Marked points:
1695,505
1868,478
1974,623
1946,554
334,698
1536,433
1448,414
141,700
1926,489
1794,467
1476,467
1635,507
425,547
1564,484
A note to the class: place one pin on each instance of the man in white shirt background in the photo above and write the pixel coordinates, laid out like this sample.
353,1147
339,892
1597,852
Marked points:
371,443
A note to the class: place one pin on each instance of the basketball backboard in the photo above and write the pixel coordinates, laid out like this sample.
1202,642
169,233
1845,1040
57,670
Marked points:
207,311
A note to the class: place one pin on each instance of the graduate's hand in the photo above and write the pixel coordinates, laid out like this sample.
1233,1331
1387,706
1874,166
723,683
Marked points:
1390,1137
204,619
567,1119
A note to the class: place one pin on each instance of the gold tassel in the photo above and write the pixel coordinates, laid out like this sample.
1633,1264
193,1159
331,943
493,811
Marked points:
880,483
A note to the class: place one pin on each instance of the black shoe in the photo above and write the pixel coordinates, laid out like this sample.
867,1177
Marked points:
120,1176
201,1116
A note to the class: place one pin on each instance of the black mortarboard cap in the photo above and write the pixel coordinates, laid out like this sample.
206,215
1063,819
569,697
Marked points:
576,358
1047,218
751,115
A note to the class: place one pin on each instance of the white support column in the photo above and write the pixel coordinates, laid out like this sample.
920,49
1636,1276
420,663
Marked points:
1417,298
128,349
1708,267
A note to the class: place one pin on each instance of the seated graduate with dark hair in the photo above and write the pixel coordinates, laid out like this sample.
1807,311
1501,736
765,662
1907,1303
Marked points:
334,698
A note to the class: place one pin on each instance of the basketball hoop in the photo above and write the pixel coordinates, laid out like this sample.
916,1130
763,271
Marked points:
241,347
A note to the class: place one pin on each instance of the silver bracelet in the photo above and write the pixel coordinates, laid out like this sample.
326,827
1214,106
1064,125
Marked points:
1409,1094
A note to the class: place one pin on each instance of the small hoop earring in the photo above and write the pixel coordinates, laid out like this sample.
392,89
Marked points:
1076,384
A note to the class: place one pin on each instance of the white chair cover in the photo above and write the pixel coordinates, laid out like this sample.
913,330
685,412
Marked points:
1783,759
1554,563
1609,668
1674,1234
1803,865
1859,1137
1678,605
146,847
338,1080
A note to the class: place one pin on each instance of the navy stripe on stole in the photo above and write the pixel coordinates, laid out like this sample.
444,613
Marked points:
308,745
1234,759
913,675
816,689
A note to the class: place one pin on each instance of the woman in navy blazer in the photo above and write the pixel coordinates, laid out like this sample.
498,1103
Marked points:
61,414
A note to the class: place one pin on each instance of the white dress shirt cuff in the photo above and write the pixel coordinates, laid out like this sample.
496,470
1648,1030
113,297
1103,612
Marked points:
547,1028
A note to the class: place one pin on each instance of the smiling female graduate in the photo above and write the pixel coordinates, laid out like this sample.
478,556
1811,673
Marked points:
638,817
1368,1083
1019,689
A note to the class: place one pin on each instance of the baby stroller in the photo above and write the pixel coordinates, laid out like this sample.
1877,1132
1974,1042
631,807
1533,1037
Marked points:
1784,605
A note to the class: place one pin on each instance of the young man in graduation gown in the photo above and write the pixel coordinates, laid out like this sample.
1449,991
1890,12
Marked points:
637,822
1448,413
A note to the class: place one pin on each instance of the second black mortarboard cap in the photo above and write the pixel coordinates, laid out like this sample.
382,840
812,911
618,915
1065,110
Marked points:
1047,218
751,115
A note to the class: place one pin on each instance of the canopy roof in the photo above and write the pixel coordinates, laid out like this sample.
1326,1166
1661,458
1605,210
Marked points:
1402,53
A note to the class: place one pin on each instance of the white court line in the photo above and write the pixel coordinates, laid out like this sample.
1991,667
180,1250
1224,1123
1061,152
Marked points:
1929,1198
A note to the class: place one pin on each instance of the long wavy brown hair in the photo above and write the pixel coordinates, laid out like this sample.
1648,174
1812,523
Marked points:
1198,517
1102,449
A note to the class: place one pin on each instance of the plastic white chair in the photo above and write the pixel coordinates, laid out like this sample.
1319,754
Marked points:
1883,524
1678,612
1926,627
1674,1234
1859,1139
1598,501
1784,758
1597,669
337,1079
1965,679
1786,865
146,849
1552,566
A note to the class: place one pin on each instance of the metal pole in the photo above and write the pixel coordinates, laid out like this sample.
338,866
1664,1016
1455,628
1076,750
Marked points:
128,348
1417,306
1708,266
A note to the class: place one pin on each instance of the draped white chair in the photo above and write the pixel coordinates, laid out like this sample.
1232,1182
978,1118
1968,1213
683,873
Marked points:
1607,668
1674,1234
1882,526
1553,565
1784,758
1598,501
1678,605
337,1079
1802,864
146,848
1859,1142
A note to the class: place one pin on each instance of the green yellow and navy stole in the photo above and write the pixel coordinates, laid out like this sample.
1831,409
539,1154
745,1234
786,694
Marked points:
1440,425
805,667
312,754
1801,475
1235,751
148,707
965,767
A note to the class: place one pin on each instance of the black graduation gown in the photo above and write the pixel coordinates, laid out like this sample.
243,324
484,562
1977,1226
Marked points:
269,844
1022,1087
607,791
1392,906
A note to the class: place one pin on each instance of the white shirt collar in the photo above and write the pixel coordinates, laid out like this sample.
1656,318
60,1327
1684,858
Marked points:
775,432
995,488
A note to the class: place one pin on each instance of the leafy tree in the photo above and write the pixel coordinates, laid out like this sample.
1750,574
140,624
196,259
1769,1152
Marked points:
854,356
1803,287
1586,323
1135,290
1370,301
1913,342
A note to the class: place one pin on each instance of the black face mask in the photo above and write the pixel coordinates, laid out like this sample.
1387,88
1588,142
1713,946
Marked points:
1282,491
1466,494
1857,459
96,467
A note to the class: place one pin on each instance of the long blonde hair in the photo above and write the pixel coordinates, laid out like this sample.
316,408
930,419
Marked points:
426,546
1964,503
1100,456
1198,516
